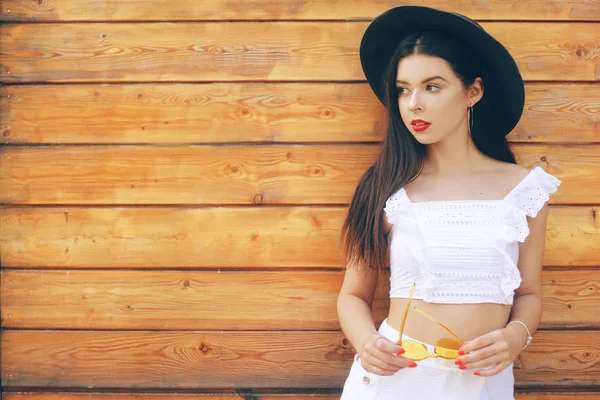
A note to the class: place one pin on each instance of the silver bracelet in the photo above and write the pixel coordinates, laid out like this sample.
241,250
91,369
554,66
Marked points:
529,337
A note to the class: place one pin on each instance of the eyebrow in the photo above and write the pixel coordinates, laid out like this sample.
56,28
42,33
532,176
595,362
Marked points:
424,81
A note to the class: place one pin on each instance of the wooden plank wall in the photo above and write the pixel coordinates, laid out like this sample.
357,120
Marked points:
174,176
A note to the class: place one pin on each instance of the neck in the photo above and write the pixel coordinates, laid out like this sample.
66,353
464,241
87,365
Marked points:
456,155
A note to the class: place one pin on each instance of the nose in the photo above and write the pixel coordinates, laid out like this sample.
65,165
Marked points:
415,103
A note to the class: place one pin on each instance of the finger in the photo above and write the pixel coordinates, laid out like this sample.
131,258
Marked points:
389,352
379,371
488,362
380,367
480,342
498,368
394,360
387,346
391,360
482,354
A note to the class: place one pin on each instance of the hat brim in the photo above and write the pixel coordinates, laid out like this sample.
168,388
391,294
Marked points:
504,86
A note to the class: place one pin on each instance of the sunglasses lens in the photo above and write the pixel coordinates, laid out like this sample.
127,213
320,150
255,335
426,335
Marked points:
447,348
414,350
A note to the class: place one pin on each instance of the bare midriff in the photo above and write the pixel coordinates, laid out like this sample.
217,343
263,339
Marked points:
468,321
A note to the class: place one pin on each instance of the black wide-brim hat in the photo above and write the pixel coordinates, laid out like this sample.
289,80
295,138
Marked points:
503,87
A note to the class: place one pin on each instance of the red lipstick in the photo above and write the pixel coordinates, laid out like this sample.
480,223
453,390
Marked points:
419,125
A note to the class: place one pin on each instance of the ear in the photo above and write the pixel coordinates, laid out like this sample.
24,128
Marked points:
475,92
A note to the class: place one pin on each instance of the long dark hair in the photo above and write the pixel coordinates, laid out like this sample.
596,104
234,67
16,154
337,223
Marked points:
401,157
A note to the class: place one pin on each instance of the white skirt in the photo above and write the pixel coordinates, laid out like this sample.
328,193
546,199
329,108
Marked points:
432,379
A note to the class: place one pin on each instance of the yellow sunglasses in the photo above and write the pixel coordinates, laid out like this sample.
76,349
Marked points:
444,348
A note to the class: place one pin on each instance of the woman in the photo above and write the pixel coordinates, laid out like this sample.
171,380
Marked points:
464,225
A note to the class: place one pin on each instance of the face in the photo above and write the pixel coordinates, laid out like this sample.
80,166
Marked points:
432,99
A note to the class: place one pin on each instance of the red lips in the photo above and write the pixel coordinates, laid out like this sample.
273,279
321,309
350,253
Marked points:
419,125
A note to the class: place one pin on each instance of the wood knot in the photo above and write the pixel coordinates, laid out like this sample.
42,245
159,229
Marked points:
234,170
203,348
543,159
315,170
316,222
258,198
246,113
6,133
579,52
186,283
326,112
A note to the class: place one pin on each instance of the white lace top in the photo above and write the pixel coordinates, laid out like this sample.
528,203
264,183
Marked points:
463,251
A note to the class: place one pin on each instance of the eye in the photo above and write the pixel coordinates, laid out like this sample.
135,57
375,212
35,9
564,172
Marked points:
402,91
433,88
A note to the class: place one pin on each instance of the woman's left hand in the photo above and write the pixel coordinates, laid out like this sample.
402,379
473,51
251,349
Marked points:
493,351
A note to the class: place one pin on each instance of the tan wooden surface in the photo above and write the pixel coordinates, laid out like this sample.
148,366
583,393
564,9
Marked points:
314,51
523,395
246,126
241,174
116,10
118,359
271,300
223,237
257,112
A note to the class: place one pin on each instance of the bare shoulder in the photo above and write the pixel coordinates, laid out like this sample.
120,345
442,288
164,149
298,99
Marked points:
509,172
514,171
506,176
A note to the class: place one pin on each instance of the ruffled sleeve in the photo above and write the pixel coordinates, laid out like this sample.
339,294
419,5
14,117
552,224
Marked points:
526,200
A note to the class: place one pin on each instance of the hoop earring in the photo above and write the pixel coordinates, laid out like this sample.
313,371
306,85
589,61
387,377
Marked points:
471,119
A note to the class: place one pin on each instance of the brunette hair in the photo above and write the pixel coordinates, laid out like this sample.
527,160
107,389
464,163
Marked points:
401,157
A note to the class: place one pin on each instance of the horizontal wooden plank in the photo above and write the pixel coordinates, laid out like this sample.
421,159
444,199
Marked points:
223,237
188,10
116,359
287,395
570,163
238,174
147,300
555,113
258,112
250,51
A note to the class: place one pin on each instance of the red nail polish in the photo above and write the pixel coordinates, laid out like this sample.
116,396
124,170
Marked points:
412,364
402,351
462,367
457,362
476,373
461,352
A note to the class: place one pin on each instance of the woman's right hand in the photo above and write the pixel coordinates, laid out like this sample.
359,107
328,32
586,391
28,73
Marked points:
381,356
